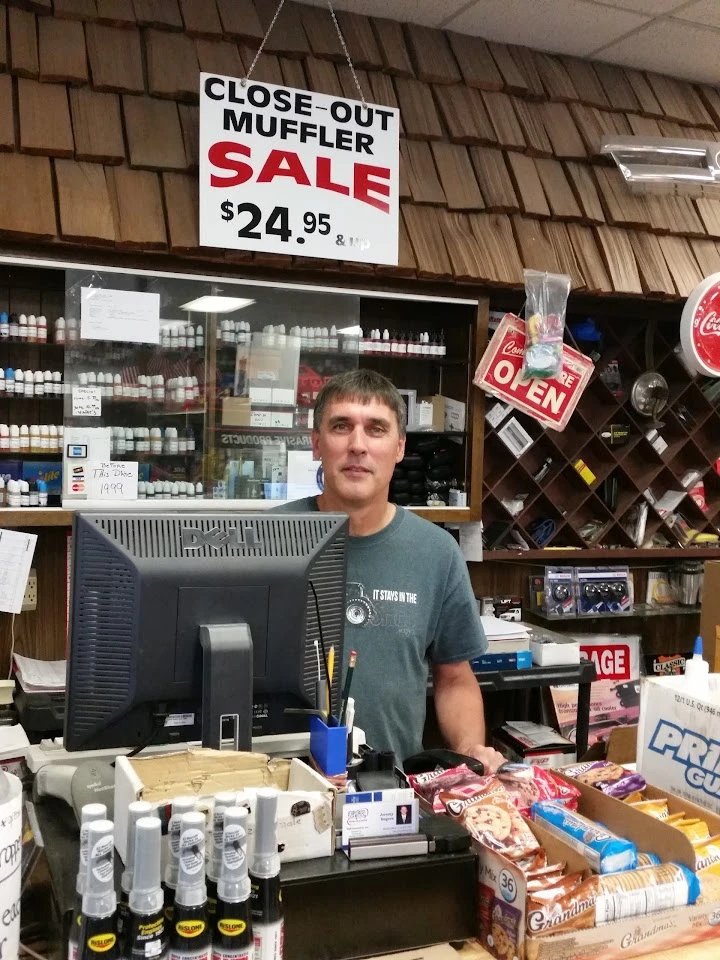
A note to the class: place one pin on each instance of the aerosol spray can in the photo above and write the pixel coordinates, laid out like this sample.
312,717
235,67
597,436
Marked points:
90,812
190,933
136,810
232,928
221,802
145,935
98,928
180,806
266,898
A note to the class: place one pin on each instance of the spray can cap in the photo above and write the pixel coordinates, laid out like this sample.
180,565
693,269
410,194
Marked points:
90,812
146,895
266,859
180,806
222,801
99,898
234,883
191,890
137,809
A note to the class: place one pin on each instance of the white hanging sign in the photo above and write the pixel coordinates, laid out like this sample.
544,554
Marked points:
290,171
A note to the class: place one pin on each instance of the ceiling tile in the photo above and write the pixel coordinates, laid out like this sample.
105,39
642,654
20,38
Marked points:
702,11
543,24
430,13
663,46
655,8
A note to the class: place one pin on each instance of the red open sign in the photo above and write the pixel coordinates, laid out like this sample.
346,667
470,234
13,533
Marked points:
552,402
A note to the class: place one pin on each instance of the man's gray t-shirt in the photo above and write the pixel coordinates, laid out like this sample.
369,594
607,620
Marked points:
409,604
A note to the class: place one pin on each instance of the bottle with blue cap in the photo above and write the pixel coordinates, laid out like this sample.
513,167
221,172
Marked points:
4,326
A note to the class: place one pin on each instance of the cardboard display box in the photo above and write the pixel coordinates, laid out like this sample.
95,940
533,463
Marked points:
236,412
306,806
503,892
679,739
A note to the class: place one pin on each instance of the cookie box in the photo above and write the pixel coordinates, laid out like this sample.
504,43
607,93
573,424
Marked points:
306,806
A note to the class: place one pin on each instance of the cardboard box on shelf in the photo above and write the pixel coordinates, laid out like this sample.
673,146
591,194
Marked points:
430,413
503,893
678,738
236,412
710,614
306,806
454,415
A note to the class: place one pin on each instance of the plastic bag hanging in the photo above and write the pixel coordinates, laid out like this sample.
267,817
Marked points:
546,298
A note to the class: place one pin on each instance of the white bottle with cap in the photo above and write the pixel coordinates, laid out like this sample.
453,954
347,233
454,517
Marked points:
90,812
697,672
14,437
2,381
99,903
24,438
60,331
42,333
13,494
72,330
180,806
136,810
156,442
22,327
145,934
4,436
24,492
19,383
57,383
29,383
45,444
39,383
266,898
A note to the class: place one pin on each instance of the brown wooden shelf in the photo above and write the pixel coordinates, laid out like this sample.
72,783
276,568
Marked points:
598,553
36,517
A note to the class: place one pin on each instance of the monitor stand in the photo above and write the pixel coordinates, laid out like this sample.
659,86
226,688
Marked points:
227,688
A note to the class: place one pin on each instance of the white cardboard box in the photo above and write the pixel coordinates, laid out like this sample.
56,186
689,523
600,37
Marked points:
306,806
679,739
454,415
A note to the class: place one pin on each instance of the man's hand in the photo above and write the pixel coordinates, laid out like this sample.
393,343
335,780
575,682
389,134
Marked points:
489,758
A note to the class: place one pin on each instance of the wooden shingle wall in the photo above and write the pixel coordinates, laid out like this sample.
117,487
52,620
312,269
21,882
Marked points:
499,162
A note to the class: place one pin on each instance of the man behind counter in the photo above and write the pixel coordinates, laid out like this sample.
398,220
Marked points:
410,603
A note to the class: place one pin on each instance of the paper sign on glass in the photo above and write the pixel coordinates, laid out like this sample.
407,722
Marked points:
125,316
113,480
87,401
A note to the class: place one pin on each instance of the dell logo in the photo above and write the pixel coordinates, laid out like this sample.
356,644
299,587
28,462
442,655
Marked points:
193,538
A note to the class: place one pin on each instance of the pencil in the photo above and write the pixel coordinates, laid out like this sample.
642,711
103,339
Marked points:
348,684
330,676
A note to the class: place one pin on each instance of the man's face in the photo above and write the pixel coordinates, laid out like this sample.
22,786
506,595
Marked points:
403,811
359,445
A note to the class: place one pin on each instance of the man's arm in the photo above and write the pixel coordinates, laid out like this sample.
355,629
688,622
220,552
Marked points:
460,713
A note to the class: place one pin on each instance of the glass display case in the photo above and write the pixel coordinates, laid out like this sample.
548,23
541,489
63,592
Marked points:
213,399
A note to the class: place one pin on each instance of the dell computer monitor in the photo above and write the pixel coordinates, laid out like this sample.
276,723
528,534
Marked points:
184,625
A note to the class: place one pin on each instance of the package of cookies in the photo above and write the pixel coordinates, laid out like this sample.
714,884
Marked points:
605,852
653,808
611,778
694,829
496,824
648,860
527,785
428,785
605,899
707,856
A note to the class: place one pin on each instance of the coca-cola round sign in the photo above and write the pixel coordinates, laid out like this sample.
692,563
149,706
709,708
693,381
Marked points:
700,327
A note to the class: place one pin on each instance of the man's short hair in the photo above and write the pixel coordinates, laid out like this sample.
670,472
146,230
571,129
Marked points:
361,386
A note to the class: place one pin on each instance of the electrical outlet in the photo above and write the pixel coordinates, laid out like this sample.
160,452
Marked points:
30,598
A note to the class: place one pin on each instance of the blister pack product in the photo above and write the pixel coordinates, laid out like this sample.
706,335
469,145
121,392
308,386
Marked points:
604,851
604,590
546,302
559,595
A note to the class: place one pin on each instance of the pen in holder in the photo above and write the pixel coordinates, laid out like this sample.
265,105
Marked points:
328,745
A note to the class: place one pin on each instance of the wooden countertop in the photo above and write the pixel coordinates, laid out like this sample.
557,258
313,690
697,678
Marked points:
710,950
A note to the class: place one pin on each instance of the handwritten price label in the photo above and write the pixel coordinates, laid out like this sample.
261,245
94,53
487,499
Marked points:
86,402
113,480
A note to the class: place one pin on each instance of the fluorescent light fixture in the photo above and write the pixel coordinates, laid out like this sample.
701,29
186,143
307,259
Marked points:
664,165
216,304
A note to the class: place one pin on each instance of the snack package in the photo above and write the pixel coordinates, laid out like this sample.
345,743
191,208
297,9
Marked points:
648,860
555,891
635,797
527,785
546,295
695,830
653,808
601,900
611,778
428,785
496,824
605,852
707,856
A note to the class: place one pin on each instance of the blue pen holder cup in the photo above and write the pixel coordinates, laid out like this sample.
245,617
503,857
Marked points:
328,745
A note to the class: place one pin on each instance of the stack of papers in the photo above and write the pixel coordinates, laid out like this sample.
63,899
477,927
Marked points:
504,636
40,676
